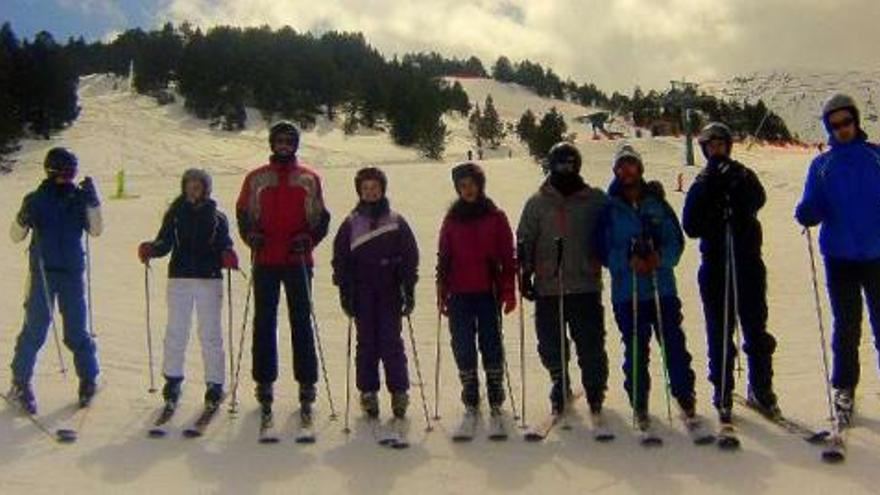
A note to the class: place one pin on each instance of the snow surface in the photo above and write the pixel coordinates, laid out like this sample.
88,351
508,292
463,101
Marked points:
155,144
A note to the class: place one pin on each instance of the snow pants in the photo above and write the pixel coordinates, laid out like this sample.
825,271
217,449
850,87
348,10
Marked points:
205,296
379,338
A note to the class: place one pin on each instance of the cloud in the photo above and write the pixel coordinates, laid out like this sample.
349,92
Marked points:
110,10
615,43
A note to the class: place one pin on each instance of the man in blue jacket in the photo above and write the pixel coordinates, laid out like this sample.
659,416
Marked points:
726,197
58,213
842,193
641,243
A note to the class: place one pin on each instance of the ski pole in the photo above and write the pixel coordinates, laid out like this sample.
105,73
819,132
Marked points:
634,368
725,333
500,322
346,429
233,406
734,277
152,389
563,357
89,287
314,321
520,255
412,341
50,306
661,338
822,340
229,326
437,356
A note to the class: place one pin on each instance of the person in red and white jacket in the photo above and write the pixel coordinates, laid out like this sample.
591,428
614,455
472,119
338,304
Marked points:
475,279
282,217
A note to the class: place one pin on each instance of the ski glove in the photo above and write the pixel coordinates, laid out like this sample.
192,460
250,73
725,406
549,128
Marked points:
87,185
145,252
408,302
301,244
527,286
347,302
255,240
229,260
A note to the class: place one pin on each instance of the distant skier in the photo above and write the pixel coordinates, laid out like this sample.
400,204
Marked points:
375,266
642,242
282,218
728,194
841,194
196,233
566,211
476,280
57,213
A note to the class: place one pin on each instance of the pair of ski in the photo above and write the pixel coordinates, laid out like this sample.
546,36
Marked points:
466,430
197,429
834,442
269,434
67,433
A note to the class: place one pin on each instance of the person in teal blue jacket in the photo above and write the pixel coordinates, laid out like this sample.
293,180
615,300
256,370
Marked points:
641,243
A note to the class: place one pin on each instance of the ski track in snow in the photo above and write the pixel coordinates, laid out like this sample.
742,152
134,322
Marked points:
113,454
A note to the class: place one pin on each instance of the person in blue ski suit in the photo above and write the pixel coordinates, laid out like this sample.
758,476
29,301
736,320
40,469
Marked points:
641,241
56,214
842,194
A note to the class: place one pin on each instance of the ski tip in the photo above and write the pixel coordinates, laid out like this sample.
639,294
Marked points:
833,456
728,443
498,438
605,437
462,439
707,440
819,437
305,440
269,440
190,433
533,437
66,436
399,445
157,433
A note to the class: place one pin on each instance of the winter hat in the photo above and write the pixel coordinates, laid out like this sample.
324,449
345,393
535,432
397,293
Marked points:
370,173
469,169
564,157
839,102
627,152
61,162
199,175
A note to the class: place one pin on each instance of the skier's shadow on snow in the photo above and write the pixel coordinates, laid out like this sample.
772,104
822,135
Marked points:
257,464
370,468
18,433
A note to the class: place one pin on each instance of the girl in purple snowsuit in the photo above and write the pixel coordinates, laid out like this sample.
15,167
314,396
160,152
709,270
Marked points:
375,266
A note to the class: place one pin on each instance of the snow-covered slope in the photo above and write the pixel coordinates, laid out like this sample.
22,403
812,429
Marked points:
798,96
114,456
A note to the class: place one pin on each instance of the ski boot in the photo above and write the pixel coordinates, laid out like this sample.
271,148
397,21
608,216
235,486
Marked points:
171,391
844,406
765,402
470,388
560,402
265,396
307,396
399,404
22,394
87,389
213,395
694,424
648,436
370,404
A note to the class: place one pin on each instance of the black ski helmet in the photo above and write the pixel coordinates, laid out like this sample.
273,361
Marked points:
61,162
370,173
284,127
469,169
200,175
563,157
713,131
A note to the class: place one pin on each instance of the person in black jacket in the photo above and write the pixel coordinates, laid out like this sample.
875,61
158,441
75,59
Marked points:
725,199
196,234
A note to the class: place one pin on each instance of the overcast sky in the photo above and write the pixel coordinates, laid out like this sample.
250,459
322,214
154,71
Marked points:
615,43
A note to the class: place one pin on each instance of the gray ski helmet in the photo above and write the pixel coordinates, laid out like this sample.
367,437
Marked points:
469,169
60,162
200,175
370,173
715,130
564,157
837,102
284,127
626,151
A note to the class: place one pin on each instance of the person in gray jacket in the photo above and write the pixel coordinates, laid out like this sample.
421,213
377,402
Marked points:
558,256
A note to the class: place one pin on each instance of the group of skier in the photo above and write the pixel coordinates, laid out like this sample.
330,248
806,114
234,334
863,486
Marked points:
567,232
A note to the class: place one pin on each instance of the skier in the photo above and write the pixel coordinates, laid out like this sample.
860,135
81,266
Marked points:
282,218
196,234
375,266
57,212
475,281
725,198
564,215
841,191
642,242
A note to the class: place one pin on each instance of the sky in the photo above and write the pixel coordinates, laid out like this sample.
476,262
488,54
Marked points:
615,43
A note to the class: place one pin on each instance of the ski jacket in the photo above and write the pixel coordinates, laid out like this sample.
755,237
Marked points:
196,235
842,193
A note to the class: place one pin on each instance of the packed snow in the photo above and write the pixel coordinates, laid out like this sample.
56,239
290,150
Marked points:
153,144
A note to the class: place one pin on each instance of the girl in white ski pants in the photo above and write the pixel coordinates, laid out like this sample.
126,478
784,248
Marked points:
206,297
